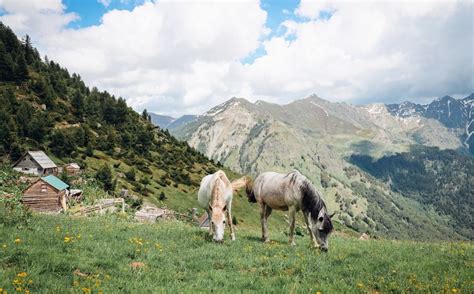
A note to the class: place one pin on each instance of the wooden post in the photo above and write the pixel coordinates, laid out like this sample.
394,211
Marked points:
63,201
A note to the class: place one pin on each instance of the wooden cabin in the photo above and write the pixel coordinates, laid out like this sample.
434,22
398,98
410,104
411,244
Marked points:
47,194
36,163
72,168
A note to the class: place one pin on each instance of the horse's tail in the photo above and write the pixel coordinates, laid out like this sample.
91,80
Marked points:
246,182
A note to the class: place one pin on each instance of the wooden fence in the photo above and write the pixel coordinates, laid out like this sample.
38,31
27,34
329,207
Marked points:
101,206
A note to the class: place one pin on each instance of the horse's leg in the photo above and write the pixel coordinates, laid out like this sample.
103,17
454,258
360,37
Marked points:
292,225
231,225
311,234
265,211
268,211
209,222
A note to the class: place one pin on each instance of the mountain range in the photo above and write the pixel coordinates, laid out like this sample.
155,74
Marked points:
169,122
319,138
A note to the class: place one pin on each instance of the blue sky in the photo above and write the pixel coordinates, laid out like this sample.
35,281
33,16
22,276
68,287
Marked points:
91,11
179,57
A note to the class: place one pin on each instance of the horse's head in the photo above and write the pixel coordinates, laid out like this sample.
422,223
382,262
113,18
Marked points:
218,221
322,227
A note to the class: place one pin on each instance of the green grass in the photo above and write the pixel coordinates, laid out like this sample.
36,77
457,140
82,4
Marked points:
179,257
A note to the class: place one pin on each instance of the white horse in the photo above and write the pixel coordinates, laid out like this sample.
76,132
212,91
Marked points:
293,192
215,195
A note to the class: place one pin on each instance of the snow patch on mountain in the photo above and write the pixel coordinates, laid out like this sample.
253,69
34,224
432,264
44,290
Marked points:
319,106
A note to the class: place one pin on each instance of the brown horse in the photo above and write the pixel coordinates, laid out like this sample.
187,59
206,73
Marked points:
292,192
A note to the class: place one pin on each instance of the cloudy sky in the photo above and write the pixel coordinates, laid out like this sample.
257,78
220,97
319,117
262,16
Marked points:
177,57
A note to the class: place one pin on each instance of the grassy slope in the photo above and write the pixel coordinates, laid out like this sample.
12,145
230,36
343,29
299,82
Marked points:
183,197
179,257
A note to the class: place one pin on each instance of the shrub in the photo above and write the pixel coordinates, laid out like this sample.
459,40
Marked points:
130,175
162,196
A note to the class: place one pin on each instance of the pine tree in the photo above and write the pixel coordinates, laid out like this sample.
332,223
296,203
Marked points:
62,143
44,93
78,103
162,196
104,175
37,127
8,100
145,181
130,175
6,65
7,131
29,52
21,71
145,115
89,149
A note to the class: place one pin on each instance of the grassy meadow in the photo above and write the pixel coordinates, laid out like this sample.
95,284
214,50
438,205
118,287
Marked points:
110,254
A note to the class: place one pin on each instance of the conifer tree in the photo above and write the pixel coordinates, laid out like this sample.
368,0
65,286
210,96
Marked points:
78,103
29,52
104,175
21,71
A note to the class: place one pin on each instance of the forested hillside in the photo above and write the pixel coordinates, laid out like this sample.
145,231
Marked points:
443,179
43,106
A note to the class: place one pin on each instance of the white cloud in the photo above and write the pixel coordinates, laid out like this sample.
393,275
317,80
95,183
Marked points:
171,56
370,51
180,57
106,3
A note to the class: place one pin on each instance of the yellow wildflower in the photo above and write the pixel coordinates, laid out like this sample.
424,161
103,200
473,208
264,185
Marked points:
17,241
360,285
318,292
455,290
86,290
67,239
4,246
22,275
27,291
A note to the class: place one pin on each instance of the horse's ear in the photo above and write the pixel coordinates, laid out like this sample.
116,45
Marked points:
331,215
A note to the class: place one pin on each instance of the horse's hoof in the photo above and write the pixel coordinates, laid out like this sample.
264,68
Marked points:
293,243
266,240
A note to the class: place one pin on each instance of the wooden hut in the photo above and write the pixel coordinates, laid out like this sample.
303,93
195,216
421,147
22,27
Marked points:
36,163
72,168
47,194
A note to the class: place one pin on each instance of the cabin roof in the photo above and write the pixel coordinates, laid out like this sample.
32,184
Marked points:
55,182
73,165
40,158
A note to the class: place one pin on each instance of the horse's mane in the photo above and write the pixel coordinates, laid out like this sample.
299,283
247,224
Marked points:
312,202
216,192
